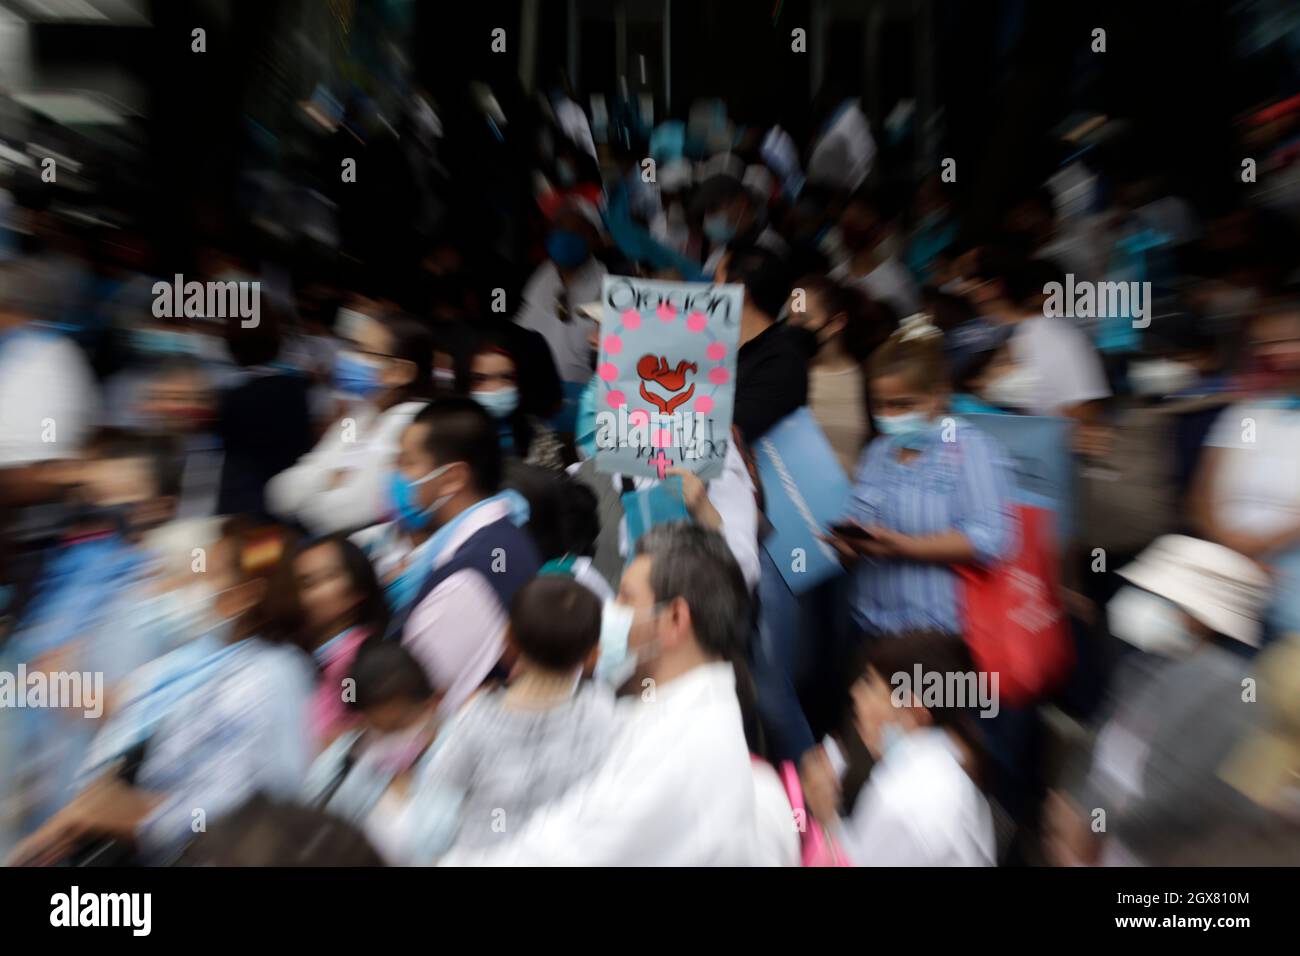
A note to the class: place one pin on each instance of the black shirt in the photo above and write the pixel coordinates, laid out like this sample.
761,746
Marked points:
771,381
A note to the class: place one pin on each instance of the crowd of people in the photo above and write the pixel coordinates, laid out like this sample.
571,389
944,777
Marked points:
358,591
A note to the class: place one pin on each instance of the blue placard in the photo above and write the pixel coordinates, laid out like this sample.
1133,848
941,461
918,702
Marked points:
805,489
1042,459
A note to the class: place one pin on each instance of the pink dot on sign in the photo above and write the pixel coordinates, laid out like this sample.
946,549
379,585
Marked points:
638,419
716,351
665,312
704,404
631,319
615,398
613,344
718,376
609,371
696,321
663,438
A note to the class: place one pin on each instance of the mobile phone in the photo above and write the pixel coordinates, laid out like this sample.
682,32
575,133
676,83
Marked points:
852,531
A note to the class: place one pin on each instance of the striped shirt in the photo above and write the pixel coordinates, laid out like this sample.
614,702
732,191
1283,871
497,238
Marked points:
962,485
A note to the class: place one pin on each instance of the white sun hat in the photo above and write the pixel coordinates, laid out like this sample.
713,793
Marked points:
1224,590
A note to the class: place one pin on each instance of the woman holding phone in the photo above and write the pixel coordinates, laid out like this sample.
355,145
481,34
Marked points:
930,492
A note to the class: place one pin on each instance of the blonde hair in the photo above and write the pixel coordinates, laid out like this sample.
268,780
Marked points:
914,351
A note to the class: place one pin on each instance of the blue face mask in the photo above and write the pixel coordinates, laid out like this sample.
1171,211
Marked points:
499,404
162,342
353,375
911,429
719,229
568,250
406,501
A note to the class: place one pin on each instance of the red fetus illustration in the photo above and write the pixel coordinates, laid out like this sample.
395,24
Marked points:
656,369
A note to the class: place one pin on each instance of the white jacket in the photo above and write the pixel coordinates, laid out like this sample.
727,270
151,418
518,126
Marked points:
677,790
342,483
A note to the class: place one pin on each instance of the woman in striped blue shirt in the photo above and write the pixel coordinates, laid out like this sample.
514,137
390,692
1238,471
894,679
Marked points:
931,492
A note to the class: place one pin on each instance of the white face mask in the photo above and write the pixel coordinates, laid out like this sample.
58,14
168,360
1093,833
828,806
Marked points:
1157,378
1149,623
617,662
1016,389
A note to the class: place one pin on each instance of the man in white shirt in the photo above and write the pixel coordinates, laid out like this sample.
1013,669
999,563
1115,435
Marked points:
1069,373
677,789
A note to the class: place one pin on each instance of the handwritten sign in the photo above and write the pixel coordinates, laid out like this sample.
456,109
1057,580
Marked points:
667,376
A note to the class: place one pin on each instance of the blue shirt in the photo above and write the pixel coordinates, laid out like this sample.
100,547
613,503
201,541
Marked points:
962,485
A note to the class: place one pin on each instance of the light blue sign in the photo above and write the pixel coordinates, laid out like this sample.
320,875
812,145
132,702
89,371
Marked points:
805,489
666,376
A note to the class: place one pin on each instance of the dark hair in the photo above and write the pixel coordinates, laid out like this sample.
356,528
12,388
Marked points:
372,612
764,275
461,430
868,323
697,566
1022,278
555,621
412,342
266,832
385,671
255,345
934,652
486,343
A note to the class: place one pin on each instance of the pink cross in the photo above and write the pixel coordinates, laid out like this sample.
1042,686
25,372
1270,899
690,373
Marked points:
661,463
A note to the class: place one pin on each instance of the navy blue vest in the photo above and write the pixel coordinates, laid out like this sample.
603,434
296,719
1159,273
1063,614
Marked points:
517,560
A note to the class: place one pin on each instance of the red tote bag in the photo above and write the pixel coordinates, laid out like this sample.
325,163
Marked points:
1012,617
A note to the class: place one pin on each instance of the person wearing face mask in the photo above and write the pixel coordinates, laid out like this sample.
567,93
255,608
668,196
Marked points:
514,749
238,726
676,789
922,804
732,218
986,378
839,327
456,551
930,492
1190,613
373,776
570,276
490,375
384,376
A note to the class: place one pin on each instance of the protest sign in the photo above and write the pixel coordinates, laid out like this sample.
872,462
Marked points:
667,376
804,489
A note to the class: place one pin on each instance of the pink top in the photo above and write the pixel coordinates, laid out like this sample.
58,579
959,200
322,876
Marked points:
329,715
